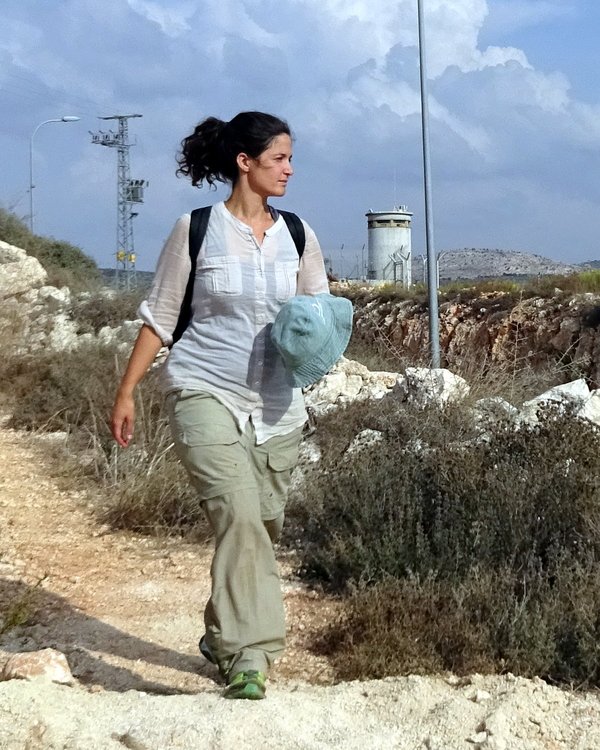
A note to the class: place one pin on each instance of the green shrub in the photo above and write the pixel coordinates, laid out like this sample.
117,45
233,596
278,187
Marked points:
468,547
465,290
13,230
66,264
63,390
96,310
18,604
430,497
490,621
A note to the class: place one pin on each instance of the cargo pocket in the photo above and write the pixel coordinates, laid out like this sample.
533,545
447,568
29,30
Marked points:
208,444
281,461
207,434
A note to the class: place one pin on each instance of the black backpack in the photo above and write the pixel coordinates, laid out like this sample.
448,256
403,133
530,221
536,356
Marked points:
198,226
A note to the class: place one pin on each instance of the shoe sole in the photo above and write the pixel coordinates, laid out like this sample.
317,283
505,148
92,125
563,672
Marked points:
250,691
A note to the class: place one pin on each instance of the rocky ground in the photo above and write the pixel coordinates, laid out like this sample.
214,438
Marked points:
125,611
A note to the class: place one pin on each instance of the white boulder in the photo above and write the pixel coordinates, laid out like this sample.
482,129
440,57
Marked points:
423,386
19,272
47,664
363,440
574,394
54,299
590,409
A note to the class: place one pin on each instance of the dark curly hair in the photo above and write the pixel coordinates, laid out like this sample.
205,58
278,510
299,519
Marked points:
210,152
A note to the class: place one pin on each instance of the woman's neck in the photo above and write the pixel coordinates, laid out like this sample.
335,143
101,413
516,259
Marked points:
247,206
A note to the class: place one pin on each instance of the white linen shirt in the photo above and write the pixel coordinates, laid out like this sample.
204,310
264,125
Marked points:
239,287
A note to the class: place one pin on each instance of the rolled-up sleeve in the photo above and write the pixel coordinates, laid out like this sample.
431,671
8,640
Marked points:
312,277
161,310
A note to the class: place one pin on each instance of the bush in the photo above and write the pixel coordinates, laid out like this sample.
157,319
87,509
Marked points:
64,390
488,539
66,264
546,627
466,290
96,310
431,498
18,604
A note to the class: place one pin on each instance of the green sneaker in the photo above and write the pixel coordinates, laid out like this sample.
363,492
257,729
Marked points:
250,685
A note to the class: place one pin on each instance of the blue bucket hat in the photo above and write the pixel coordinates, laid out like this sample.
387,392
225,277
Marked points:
311,333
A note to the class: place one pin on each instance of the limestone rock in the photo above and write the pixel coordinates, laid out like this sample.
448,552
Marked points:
363,440
10,253
423,386
48,664
19,272
575,394
493,409
591,408
494,328
55,299
348,381
63,335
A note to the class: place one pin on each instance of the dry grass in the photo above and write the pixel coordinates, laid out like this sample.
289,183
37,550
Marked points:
451,552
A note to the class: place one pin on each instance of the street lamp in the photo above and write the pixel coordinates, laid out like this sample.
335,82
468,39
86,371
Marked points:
432,281
67,118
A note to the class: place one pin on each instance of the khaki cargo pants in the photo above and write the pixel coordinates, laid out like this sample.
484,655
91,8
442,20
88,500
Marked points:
243,487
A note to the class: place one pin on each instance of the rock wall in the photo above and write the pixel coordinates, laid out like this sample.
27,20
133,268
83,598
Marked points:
494,328
35,316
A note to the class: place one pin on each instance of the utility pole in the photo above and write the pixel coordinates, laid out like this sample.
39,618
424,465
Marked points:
432,287
129,192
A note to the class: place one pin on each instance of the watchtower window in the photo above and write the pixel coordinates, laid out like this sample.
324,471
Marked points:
388,223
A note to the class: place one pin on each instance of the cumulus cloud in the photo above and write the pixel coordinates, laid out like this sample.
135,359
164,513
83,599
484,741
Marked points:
345,73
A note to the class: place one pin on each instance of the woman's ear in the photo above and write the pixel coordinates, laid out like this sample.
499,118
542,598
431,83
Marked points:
243,162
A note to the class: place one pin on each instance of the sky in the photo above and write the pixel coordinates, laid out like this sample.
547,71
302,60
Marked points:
513,99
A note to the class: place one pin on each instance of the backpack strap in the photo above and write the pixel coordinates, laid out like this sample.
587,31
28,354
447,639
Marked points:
198,225
296,229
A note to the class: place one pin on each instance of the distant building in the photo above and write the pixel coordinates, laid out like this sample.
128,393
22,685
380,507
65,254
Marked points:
390,251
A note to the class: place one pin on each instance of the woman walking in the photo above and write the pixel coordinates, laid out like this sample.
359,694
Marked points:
235,417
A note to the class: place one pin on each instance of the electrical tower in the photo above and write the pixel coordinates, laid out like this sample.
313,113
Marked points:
129,193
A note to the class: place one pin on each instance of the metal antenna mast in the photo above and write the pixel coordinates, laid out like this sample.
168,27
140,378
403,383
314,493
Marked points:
129,192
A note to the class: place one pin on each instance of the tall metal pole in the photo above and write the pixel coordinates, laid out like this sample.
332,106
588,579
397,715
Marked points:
31,185
432,285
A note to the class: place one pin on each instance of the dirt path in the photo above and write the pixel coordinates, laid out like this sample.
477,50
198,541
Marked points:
126,610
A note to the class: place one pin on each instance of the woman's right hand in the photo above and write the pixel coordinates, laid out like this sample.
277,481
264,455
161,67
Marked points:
145,349
123,419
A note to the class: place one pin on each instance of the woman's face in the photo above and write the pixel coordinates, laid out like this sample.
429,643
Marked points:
269,173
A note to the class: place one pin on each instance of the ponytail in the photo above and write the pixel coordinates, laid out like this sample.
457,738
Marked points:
210,152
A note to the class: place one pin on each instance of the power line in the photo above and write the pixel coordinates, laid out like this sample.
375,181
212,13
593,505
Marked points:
29,89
